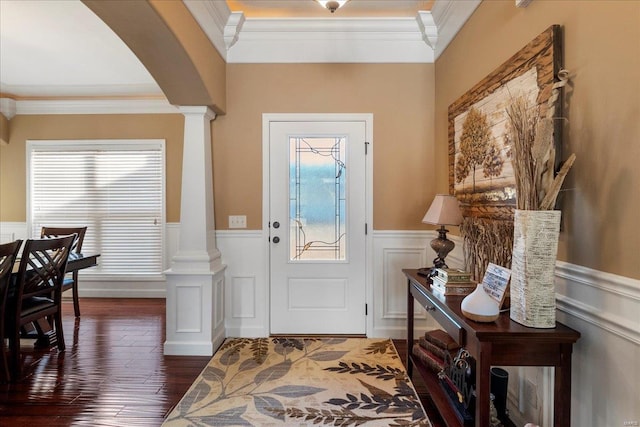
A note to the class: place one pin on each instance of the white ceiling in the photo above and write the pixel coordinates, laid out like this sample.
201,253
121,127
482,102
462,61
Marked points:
60,49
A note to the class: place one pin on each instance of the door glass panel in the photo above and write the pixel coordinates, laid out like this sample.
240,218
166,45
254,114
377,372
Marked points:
317,199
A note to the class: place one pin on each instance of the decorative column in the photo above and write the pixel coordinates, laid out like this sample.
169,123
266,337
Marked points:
195,281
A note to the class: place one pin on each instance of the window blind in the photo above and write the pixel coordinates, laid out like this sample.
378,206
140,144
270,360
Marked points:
115,188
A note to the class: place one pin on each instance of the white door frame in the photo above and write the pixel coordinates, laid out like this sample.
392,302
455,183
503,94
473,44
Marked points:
266,196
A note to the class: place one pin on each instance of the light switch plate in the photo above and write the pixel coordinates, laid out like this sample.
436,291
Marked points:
237,221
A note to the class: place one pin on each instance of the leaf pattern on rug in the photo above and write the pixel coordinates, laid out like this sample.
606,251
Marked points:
295,390
382,402
382,347
229,417
301,381
260,349
269,406
273,372
380,372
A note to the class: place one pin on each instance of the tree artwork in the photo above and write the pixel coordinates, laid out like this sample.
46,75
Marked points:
477,148
492,164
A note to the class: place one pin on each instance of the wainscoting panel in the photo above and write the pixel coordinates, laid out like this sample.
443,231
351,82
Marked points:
7,237
10,231
243,298
394,282
247,293
191,321
605,309
392,252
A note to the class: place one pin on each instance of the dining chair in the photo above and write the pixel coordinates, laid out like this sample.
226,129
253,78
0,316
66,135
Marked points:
69,282
8,254
35,294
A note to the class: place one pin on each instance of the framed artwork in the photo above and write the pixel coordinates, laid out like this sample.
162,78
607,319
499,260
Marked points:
480,171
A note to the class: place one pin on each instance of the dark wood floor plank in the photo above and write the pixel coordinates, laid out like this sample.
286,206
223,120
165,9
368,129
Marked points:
113,372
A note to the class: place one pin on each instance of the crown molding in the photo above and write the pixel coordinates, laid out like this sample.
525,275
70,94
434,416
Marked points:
428,28
232,29
134,90
212,16
95,106
449,17
331,39
8,107
344,40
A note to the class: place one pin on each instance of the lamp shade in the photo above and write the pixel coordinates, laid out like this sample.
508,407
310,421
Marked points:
444,210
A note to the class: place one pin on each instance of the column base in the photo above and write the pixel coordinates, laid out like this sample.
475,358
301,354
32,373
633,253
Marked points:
195,312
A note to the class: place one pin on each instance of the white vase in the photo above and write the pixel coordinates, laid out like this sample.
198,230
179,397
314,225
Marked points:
479,306
533,262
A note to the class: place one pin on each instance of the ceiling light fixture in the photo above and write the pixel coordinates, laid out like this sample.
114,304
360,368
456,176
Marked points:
332,5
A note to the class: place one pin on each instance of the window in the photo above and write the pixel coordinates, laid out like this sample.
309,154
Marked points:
114,187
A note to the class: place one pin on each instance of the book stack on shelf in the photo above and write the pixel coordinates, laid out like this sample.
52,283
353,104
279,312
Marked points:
449,281
434,348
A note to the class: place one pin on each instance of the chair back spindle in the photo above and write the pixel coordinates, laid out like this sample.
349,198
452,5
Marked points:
71,282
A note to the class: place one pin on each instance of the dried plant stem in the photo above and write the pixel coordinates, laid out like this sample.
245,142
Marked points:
485,241
543,154
523,123
533,157
549,200
552,102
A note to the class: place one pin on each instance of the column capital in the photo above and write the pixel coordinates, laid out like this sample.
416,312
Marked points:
8,107
203,110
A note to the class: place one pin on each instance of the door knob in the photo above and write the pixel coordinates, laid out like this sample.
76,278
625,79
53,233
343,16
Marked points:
276,239
276,224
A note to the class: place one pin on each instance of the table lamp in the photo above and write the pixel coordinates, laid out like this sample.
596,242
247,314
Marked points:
444,210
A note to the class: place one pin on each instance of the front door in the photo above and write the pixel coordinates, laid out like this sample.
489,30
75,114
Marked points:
317,220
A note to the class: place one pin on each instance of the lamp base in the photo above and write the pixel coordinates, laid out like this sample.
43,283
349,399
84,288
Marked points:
439,262
441,246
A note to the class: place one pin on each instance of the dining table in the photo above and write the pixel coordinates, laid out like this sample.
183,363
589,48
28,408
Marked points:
76,262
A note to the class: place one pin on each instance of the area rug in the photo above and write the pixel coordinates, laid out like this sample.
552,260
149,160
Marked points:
301,382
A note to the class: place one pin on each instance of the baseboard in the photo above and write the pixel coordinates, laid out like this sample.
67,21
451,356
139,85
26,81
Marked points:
246,332
195,348
121,289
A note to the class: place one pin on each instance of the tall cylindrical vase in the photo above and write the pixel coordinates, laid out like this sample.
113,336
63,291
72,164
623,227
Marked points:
535,247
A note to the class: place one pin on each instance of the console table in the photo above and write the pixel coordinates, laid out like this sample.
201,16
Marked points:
500,343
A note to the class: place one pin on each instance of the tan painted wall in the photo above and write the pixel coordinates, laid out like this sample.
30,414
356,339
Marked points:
400,96
602,51
12,156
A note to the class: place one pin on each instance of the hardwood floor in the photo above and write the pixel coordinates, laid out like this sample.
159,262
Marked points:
113,372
